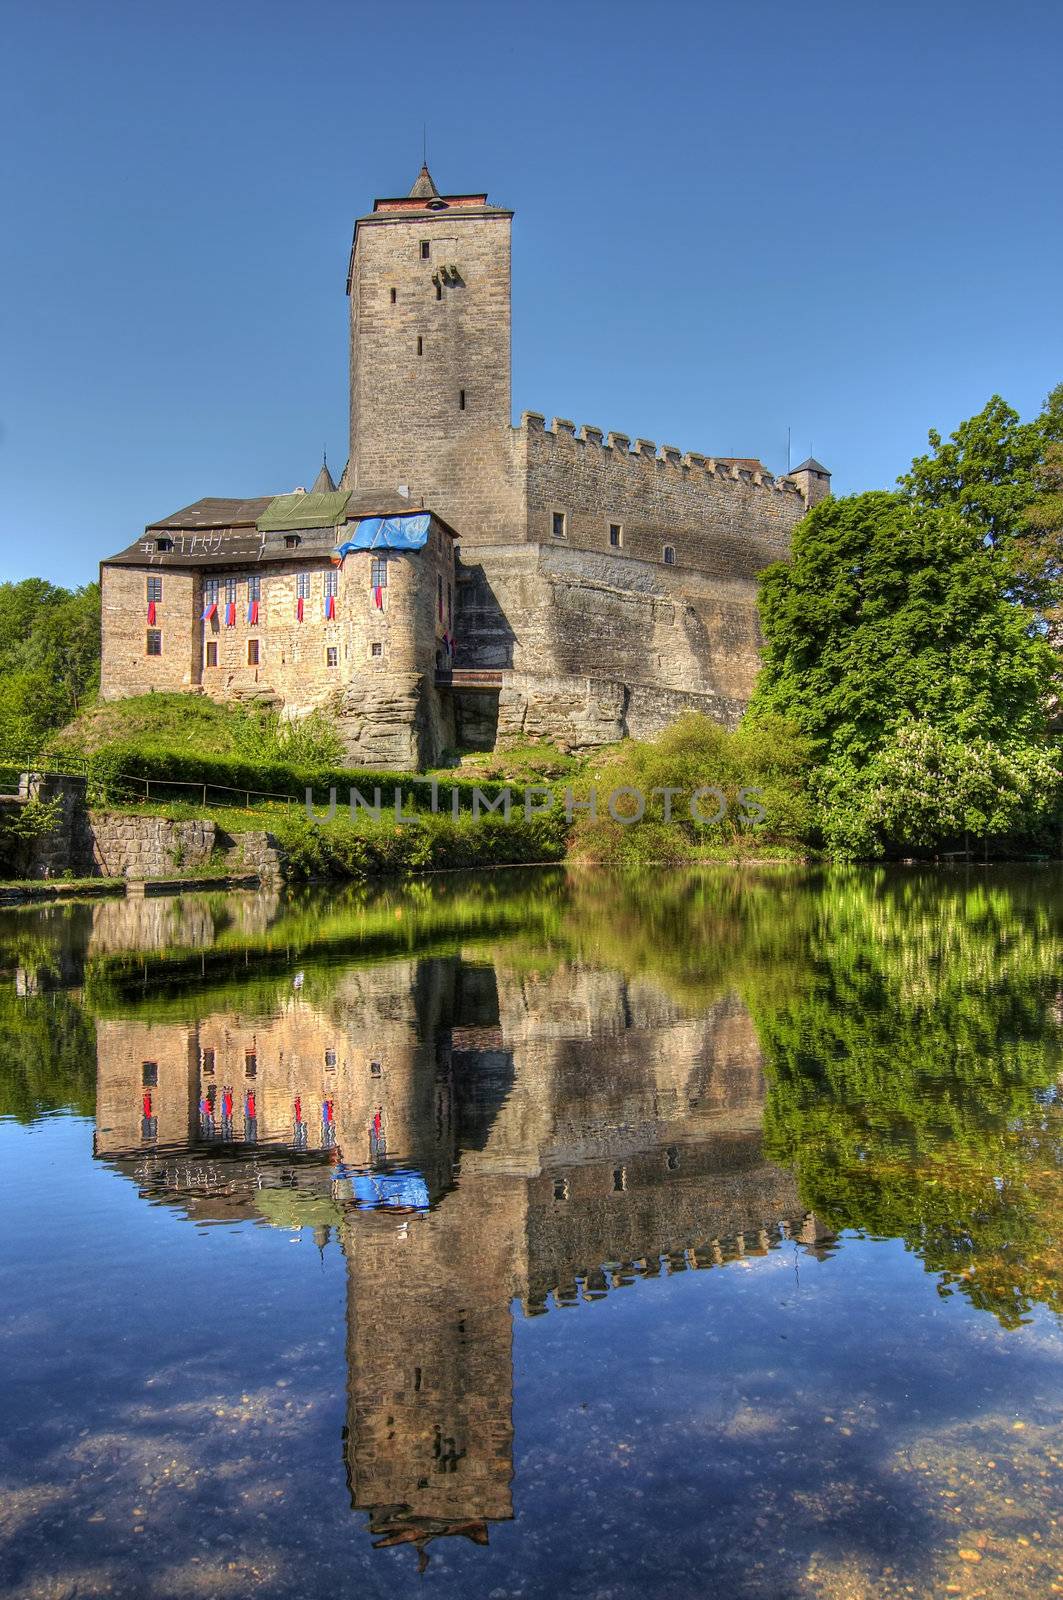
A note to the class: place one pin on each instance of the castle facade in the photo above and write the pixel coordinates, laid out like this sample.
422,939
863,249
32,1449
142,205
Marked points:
467,580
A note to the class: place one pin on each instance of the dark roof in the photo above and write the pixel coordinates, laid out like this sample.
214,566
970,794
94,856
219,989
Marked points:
222,533
812,465
424,188
211,513
323,483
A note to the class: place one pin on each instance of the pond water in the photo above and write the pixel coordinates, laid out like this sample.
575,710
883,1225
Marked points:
536,1234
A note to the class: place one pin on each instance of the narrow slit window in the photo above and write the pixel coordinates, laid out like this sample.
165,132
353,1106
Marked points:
461,399
394,296
426,250
207,1057
420,345
154,642
252,652
439,289
559,524
616,535
250,1064
669,555
619,1180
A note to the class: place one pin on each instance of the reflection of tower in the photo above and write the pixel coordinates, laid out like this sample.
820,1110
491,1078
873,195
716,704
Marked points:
429,1334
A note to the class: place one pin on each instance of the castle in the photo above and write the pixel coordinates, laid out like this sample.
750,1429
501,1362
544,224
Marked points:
467,580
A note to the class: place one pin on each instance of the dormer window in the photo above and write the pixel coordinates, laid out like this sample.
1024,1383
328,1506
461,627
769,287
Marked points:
292,541
163,545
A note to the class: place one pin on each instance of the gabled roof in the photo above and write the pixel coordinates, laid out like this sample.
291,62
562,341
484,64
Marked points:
212,513
812,465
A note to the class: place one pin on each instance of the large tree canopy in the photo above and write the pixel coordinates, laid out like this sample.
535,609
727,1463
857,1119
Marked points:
49,659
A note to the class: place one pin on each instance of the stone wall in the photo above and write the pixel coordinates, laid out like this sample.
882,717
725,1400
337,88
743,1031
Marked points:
126,668
120,844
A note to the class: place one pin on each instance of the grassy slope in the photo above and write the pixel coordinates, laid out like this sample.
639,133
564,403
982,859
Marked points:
177,721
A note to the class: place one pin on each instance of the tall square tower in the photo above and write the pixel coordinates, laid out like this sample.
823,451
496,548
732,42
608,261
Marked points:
429,289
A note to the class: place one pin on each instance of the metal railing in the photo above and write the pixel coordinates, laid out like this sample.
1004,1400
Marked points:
70,764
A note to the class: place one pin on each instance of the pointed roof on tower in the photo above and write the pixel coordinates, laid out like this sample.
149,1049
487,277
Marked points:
424,188
323,483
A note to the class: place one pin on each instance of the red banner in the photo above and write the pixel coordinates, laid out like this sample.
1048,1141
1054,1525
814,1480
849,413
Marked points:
299,608
151,613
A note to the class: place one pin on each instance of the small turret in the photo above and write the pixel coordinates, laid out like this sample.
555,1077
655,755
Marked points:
813,480
323,483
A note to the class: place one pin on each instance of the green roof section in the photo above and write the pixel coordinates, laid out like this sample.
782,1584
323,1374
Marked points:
290,511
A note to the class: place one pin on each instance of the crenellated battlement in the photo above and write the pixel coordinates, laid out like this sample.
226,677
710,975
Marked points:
628,455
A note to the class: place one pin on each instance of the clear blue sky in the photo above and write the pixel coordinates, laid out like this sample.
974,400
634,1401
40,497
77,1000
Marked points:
731,218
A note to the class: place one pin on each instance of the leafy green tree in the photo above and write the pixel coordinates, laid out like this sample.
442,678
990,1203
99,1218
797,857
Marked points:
889,611
49,659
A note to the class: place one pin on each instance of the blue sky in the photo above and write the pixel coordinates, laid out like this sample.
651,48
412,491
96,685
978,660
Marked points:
731,219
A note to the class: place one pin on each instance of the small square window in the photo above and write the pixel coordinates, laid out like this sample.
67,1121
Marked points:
559,524
149,1074
212,652
292,541
332,656
374,1069
207,1061
426,250
154,643
252,652
163,545
376,649
155,589
669,555
250,1064
616,535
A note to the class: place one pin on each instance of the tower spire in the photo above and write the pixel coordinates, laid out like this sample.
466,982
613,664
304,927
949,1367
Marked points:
424,188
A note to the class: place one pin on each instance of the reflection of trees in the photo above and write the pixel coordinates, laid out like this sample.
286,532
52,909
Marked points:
47,1055
910,1078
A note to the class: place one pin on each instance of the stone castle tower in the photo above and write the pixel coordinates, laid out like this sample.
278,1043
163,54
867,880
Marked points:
429,291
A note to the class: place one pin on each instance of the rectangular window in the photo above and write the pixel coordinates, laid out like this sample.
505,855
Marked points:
250,1064
155,589
252,652
332,583
669,555
149,1074
376,648
394,296
207,1062
450,603
378,572
374,1069
254,588
616,535
302,585
461,399
163,545
211,591
330,1060
332,656
559,524
420,345
154,645
426,250
230,591
292,541
212,653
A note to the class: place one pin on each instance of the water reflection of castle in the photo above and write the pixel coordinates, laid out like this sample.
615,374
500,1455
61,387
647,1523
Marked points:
529,1137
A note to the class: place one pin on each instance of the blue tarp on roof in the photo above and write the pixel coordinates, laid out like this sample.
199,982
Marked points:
388,533
405,1190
